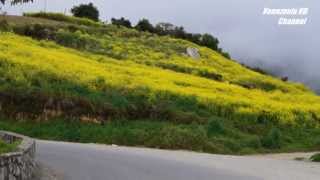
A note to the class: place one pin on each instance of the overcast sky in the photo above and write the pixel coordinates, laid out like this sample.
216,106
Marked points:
243,31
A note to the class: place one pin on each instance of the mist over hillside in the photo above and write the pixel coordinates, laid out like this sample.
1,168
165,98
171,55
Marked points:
243,31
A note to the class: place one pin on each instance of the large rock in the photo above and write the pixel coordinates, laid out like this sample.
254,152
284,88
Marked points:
193,53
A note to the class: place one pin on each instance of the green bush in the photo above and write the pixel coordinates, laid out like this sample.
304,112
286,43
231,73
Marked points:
315,158
77,40
4,147
272,140
215,127
36,31
4,26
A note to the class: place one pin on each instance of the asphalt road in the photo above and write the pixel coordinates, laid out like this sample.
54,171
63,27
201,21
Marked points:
100,162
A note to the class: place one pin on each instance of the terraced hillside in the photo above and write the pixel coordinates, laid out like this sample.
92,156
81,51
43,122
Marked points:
101,83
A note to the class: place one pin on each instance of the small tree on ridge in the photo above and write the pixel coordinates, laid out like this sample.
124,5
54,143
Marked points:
86,11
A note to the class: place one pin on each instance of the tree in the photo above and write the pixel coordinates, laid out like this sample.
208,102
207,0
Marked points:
179,32
145,25
86,11
164,29
16,1
196,38
121,22
13,2
209,41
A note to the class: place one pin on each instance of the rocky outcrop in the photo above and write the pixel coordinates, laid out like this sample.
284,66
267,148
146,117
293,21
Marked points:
193,53
19,165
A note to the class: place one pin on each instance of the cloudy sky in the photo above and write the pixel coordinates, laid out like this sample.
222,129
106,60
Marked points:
239,24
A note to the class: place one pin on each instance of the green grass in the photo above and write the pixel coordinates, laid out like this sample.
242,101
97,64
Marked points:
5,148
63,18
103,74
157,134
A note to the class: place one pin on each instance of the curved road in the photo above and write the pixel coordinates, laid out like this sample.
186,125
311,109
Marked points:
101,162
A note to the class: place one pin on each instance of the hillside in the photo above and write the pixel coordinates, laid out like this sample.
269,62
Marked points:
101,83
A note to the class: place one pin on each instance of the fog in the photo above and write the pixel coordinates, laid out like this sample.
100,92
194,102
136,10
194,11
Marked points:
243,31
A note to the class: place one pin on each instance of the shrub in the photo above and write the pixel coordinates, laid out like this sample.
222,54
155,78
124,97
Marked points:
252,142
145,25
4,26
315,158
210,75
226,55
77,40
39,31
4,147
36,31
317,143
272,140
215,127
121,22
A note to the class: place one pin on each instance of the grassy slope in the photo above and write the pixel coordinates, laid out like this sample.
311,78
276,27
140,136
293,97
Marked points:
145,77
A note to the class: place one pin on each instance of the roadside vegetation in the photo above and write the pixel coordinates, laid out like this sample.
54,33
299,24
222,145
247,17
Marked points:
223,139
5,148
315,158
63,79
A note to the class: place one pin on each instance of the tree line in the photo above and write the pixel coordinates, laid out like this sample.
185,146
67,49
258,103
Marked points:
163,29
15,1
168,29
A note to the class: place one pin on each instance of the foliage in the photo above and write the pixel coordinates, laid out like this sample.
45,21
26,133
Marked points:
162,29
144,25
5,147
37,31
216,98
64,18
273,139
4,26
148,133
121,22
86,11
114,73
215,127
15,1
209,41
315,158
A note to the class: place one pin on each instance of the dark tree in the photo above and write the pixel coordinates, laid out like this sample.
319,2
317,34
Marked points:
164,29
145,25
209,41
86,11
196,38
16,1
226,54
172,30
179,32
121,22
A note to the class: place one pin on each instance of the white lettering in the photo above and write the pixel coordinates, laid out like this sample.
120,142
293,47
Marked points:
286,21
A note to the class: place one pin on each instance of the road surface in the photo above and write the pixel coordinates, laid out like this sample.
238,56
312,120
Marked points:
100,162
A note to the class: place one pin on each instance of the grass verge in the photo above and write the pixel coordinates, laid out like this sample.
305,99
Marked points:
5,148
212,138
